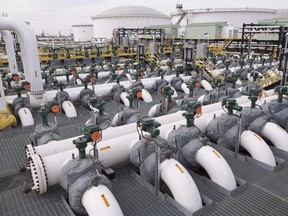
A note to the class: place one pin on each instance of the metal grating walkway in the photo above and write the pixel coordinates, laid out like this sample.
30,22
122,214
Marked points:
136,199
15,202
252,201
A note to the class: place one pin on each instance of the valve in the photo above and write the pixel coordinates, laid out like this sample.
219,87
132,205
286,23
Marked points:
167,91
217,82
97,103
92,132
254,95
231,104
227,64
81,144
193,84
149,125
139,73
193,109
25,86
45,77
130,97
60,85
232,78
255,76
177,71
280,91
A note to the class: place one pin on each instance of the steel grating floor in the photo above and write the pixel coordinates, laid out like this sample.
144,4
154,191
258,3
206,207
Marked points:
265,194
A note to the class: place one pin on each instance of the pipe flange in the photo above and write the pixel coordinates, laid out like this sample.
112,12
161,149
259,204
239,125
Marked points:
35,93
38,173
29,150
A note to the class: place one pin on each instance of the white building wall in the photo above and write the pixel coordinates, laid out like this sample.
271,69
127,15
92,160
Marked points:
82,33
103,27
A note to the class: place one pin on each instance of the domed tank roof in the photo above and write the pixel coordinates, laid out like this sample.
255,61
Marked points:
131,11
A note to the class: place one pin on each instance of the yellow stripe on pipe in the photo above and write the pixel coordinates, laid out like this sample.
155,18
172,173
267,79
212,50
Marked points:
179,168
216,153
104,148
258,137
281,128
106,202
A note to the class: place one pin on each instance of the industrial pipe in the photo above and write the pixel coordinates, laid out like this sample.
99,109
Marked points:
206,85
64,145
26,117
110,152
181,184
277,135
9,46
98,200
216,167
123,97
257,147
100,90
29,50
184,88
69,109
2,96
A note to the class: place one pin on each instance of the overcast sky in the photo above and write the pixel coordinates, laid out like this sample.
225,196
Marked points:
53,16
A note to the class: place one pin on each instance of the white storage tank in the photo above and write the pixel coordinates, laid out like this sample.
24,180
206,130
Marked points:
82,33
126,17
234,16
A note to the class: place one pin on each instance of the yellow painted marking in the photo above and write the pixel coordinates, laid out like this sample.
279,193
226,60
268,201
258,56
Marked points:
216,153
179,168
35,72
258,137
69,104
104,148
281,128
106,202
25,111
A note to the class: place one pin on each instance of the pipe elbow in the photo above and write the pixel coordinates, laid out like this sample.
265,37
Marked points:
257,148
181,184
216,167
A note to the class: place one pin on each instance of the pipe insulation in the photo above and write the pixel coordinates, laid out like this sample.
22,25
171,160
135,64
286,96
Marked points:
103,90
54,147
110,152
9,46
100,201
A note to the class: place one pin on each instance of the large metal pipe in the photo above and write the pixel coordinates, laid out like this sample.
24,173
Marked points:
216,167
181,184
99,200
29,50
277,135
26,117
54,147
100,90
110,152
9,46
2,96
257,148
30,56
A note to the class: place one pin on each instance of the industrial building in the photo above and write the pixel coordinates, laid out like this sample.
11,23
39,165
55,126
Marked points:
128,17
